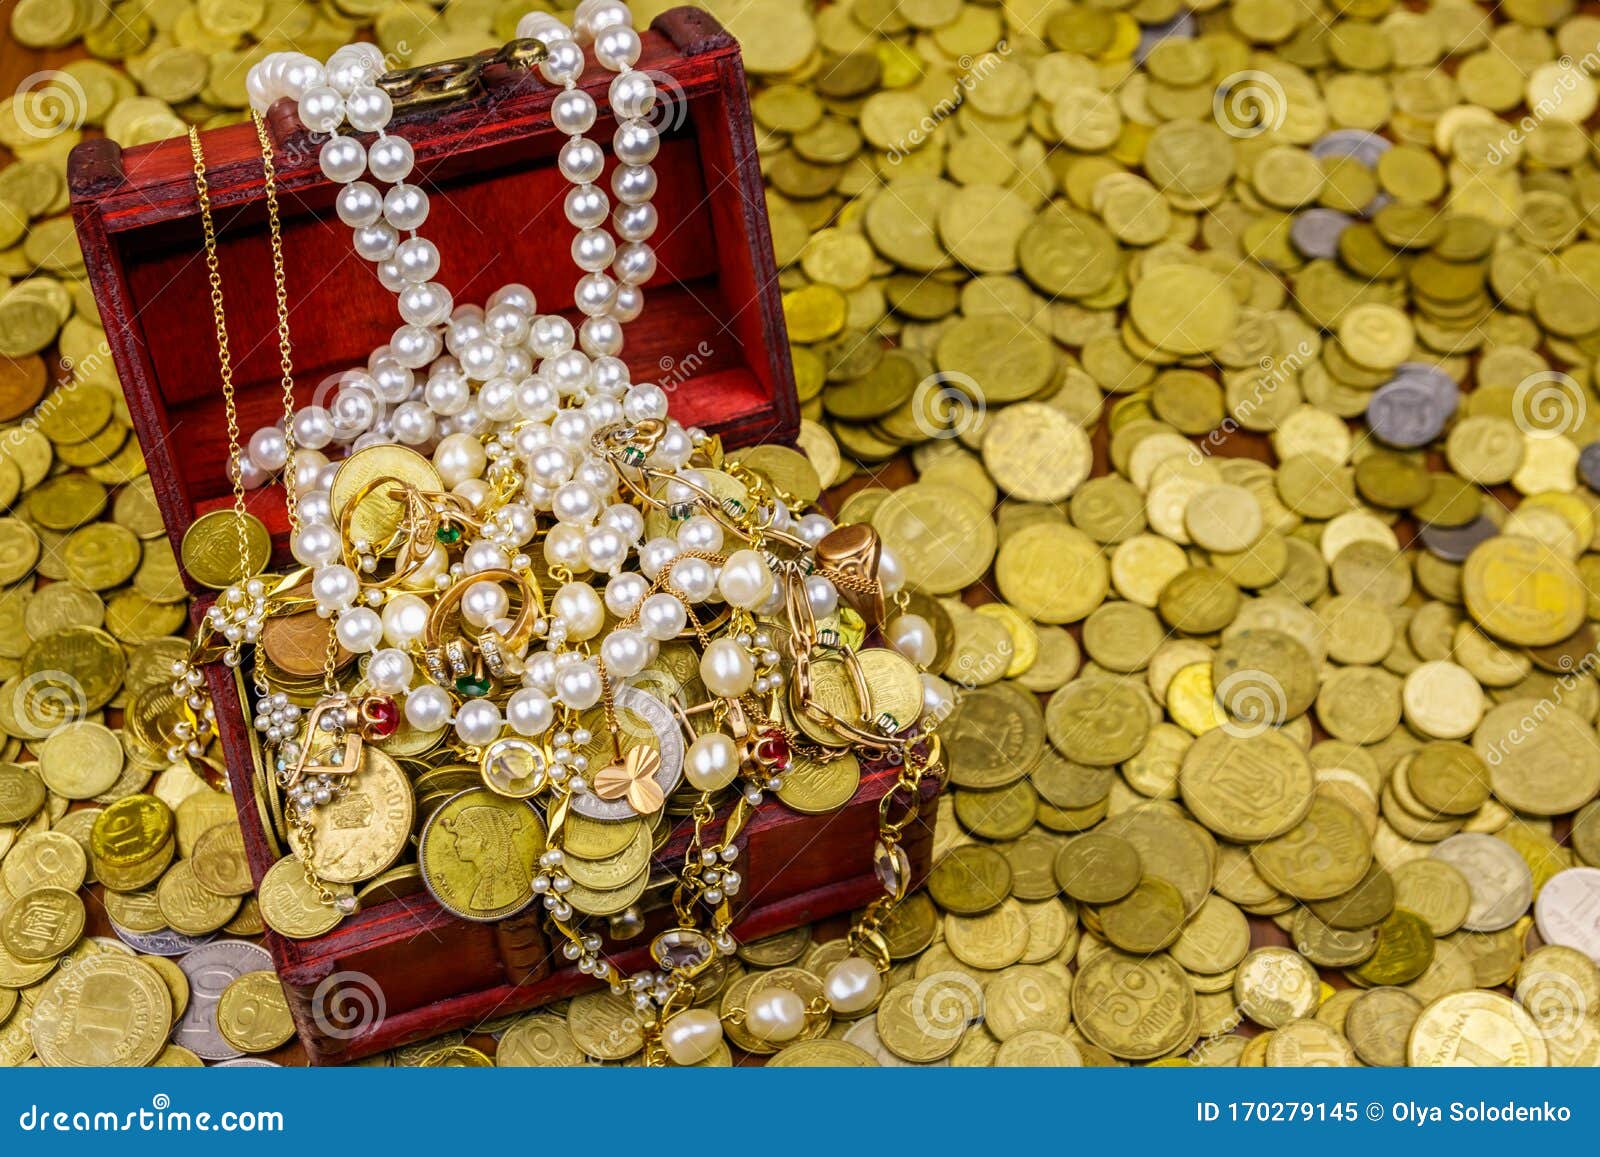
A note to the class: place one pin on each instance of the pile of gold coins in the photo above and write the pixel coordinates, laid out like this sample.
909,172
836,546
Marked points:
1223,376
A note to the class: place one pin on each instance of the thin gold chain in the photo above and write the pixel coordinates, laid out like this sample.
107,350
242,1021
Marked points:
219,316
281,289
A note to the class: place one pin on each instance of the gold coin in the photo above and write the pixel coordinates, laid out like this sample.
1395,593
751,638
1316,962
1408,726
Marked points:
1097,868
22,794
189,908
365,827
1520,590
1134,1008
1274,986
541,1039
815,787
970,880
477,852
109,1009
1147,919
81,760
940,534
995,939
1035,452
1052,573
219,861
253,1013
379,513
1476,1029
211,549
922,1021
42,924
1322,856
1246,787
291,906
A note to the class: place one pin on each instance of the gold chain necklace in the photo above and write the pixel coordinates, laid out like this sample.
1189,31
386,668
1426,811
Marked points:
242,518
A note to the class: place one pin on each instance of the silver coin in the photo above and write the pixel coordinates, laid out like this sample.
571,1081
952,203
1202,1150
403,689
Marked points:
1568,911
1454,543
667,738
1180,27
210,969
1439,384
1589,465
163,943
1358,143
1316,232
110,944
1404,414
1501,882
246,1063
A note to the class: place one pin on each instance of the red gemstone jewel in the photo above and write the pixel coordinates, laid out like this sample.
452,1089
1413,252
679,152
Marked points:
773,749
380,718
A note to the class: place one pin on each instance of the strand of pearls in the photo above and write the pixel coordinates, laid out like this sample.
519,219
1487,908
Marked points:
606,300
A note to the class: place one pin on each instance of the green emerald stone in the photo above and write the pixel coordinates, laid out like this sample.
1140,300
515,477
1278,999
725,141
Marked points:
448,534
472,686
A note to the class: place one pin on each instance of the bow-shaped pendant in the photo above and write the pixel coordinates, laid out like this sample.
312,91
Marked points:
633,778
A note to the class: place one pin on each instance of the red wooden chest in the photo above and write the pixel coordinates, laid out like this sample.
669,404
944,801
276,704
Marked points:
712,333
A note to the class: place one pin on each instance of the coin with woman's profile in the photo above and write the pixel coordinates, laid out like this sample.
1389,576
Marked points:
477,854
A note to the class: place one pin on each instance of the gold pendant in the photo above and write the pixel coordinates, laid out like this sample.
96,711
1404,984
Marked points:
634,777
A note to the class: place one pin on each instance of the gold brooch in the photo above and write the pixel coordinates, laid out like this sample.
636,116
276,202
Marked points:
634,778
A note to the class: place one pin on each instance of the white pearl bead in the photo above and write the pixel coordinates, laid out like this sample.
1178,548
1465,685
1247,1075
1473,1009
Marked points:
712,762
852,985
405,207
418,259
663,617
625,652
369,108
938,698
822,595
576,503
617,48
427,708
656,554
623,594
313,428
484,602
377,242
268,449
335,587
578,685
343,159
586,206
322,109
405,619
391,159
635,142
912,636
413,424
605,549
529,712
459,457
390,670
726,669
315,544
565,545
581,160
484,555
700,532
359,629
359,204
746,580
890,574
694,579
576,605
632,94
692,1036
478,722
775,1015
573,112
564,62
